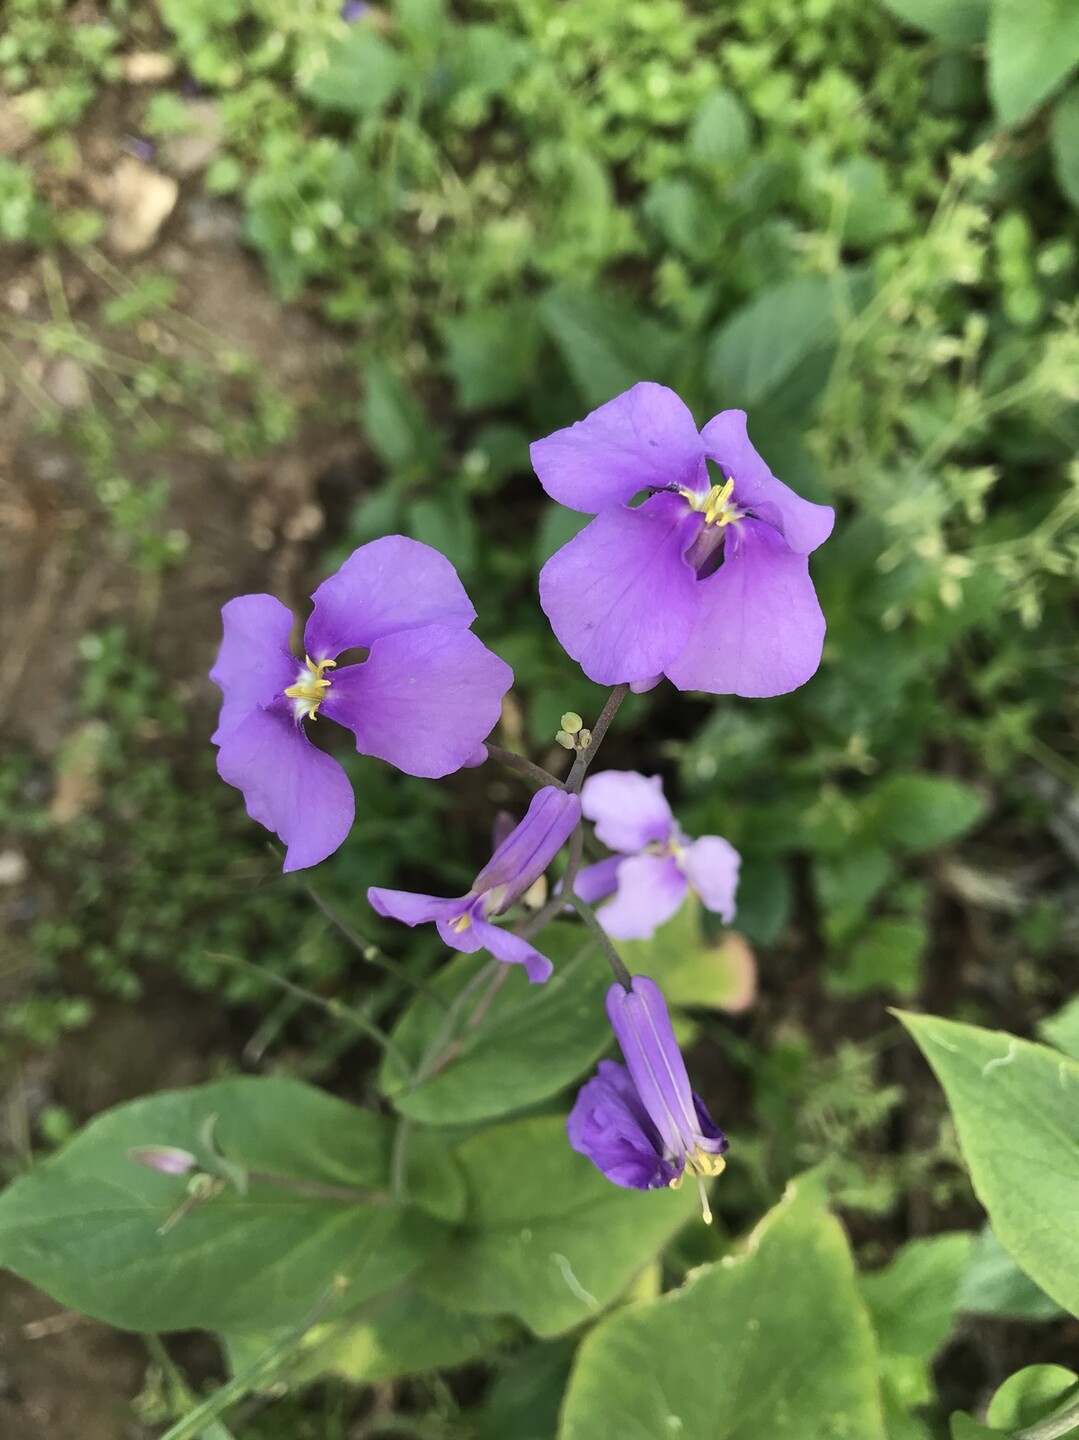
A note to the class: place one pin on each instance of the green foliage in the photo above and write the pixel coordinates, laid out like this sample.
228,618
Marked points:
1031,1395
1015,1111
547,1238
739,1350
305,1179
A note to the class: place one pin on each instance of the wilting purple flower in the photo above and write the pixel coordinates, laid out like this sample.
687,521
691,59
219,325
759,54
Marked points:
656,864
465,923
640,1123
705,583
167,1159
424,698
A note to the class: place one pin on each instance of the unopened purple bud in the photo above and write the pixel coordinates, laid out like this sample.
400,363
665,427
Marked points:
166,1159
141,148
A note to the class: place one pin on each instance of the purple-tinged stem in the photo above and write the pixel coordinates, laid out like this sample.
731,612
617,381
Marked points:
526,767
575,779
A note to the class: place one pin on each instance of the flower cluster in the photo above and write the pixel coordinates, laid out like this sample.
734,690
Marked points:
702,580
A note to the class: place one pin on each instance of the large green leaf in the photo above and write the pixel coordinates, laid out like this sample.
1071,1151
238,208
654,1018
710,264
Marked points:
956,22
362,77
1033,46
90,1225
607,344
995,1285
1065,144
775,1343
921,812
776,351
913,1300
406,1335
1032,1395
532,1041
547,1238
1016,1107
1062,1029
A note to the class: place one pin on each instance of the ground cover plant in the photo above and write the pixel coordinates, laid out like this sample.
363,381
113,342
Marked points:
355,303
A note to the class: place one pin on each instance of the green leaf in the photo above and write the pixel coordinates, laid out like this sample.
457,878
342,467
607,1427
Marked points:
964,1428
1032,1394
1016,1107
847,885
913,1301
362,77
720,133
408,1336
1064,140
492,353
888,956
548,1238
607,343
533,1040
995,1285
691,970
1033,46
776,351
922,812
524,1400
1062,1029
774,1343
89,1225
396,425
956,22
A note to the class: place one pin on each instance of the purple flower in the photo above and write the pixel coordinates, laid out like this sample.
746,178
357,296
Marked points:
465,923
168,1159
640,1123
705,583
656,863
424,698
353,10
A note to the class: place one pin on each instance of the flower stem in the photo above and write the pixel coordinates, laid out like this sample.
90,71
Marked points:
1054,1427
575,779
526,767
600,936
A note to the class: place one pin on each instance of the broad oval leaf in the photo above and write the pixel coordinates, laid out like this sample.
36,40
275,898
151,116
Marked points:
1033,46
1016,1107
531,1042
102,1233
774,1343
547,1238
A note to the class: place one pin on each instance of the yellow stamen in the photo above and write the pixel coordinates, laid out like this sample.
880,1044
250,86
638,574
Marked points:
311,687
461,923
715,506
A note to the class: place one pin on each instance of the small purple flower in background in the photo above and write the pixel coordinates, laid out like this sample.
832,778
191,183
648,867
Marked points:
705,583
424,699
656,865
521,858
640,1123
353,10
167,1159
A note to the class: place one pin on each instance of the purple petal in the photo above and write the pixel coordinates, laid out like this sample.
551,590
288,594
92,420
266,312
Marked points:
610,1127
390,585
254,664
802,524
651,889
628,810
529,848
644,438
595,882
296,791
167,1159
512,950
760,629
711,866
709,1137
423,700
643,1029
621,597
414,909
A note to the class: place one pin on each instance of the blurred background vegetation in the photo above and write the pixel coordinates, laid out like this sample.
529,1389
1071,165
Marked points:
279,278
